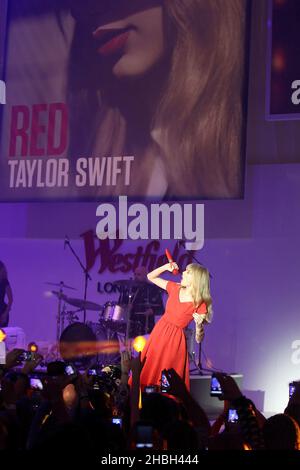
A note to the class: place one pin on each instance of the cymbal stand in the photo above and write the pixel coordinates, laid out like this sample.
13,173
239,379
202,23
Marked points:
87,277
71,315
59,314
62,319
131,298
147,314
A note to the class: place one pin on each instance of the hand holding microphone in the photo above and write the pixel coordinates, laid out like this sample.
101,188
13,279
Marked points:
174,268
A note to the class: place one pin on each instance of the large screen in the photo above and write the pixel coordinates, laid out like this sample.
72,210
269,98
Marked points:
144,98
283,65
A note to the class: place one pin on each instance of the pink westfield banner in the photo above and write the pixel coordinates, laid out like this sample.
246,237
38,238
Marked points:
144,98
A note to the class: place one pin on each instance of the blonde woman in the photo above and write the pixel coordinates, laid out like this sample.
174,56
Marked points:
163,81
166,347
5,291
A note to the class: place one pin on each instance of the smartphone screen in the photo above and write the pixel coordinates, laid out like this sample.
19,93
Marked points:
165,385
36,384
117,421
92,372
292,387
215,387
232,416
70,370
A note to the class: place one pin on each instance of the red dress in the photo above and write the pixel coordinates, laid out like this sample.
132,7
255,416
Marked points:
166,347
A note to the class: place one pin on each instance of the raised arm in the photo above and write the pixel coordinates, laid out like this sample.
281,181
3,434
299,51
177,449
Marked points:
154,275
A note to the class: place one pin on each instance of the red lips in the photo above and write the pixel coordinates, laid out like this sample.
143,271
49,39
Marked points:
112,40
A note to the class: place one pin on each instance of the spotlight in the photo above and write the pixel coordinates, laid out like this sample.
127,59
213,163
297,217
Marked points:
2,347
32,347
139,343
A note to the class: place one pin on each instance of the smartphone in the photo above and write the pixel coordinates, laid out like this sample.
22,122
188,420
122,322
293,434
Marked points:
232,416
117,421
70,370
215,387
292,388
92,372
36,384
165,384
144,436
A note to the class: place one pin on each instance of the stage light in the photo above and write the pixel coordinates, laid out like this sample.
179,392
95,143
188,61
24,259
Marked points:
32,347
139,343
48,293
2,347
2,335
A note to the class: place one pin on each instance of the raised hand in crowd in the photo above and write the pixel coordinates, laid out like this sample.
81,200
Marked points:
125,365
136,365
251,420
230,389
293,406
178,388
30,366
13,358
221,419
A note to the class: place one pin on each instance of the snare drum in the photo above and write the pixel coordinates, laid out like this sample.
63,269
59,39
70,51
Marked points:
114,312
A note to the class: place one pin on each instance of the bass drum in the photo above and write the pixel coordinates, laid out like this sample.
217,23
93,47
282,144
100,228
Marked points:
108,345
85,345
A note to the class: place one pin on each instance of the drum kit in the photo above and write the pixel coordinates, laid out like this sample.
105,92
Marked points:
88,342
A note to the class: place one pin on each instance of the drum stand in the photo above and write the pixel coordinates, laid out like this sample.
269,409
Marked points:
131,298
111,358
87,277
60,314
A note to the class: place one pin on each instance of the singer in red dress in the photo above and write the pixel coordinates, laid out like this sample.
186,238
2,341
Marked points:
166,347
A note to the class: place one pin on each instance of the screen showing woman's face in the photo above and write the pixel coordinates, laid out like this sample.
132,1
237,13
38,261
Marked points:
135,42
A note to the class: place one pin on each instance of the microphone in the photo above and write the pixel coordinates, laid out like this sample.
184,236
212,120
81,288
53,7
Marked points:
168,255
66,242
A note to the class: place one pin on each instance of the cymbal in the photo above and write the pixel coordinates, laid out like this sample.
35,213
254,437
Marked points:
83,304
60,284
131,283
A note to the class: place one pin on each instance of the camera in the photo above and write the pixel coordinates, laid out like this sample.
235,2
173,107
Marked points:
36,383
26,356
165,384
215,387
144,436
232,416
